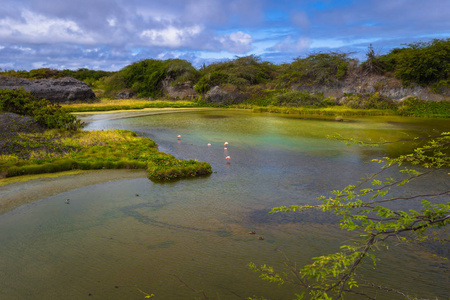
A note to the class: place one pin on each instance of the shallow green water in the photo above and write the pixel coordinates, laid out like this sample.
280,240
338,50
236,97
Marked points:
109,243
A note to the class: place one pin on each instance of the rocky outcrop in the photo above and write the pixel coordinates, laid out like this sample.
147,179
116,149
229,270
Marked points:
385,86
124,95
61,90
226,95
179,91
217,95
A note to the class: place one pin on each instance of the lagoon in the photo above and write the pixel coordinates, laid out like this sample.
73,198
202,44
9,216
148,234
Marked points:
129,237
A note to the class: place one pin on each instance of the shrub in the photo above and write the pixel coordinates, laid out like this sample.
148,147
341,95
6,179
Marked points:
170,168
240,72
368,101
147,78
415,107
16,101
317,69
298,98
44,112
424,63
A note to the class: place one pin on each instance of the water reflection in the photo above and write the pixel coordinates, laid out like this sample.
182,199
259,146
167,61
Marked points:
111,243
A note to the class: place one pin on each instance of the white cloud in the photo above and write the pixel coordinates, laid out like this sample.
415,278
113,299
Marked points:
236,42
37,28
291,45
112,22
171,36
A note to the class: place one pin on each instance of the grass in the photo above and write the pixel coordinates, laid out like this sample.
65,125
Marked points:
25,178
411,107
57,151
326,111
125,104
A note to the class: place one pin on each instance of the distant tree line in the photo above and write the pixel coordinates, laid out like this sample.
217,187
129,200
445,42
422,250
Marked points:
83,74
422,63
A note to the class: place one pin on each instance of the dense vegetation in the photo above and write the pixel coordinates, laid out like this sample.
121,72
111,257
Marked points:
90,77
44,112
421,63
56,151
250,80
148,77
67,148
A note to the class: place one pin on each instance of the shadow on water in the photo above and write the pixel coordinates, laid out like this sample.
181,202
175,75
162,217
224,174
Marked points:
261,216
214,117
132,211
199,228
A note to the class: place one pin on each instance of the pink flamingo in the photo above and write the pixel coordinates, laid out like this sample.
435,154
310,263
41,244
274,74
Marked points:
179,136
226,143
228,157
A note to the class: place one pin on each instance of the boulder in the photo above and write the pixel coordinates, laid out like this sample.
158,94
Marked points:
60,90
181,91
217,95
226,95
385,86
124,95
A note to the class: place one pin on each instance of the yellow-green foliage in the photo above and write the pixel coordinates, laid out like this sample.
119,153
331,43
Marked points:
106,105
326,111
56,151
415,107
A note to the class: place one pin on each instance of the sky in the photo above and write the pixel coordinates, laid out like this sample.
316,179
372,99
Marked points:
111,34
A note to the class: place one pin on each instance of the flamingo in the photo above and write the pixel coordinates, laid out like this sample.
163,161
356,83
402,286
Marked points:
209,144
226,143
228,157
179,136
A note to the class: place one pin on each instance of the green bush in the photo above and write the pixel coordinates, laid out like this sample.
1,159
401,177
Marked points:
424,63
298,98
415,107
368,101
148,77
241,72
316,69
44,112
170,168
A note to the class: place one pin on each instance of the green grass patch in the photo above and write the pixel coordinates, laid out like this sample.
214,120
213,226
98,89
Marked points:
16,179
327,111
108,105
57,151
414,107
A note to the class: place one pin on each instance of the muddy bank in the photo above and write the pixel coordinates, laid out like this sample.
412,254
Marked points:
88,117
17,194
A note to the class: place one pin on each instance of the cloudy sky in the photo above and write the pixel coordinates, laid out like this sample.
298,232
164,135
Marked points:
110,34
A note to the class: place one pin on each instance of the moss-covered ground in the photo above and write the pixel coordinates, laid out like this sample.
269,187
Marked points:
58,150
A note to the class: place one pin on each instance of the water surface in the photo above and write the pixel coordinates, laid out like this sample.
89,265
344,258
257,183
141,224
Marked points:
118,239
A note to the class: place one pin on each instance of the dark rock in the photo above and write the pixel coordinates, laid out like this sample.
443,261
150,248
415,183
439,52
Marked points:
181,91
222,96
217,95
61,90
385,86
125,95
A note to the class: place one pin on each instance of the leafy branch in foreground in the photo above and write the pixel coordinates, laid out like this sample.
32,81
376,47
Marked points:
371,209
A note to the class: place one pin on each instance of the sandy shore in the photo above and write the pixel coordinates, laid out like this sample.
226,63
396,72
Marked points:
88,117
17,194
